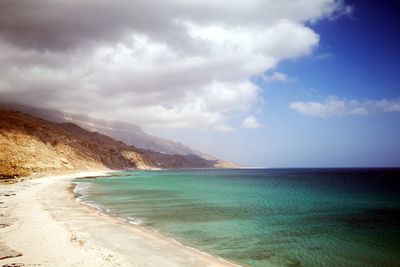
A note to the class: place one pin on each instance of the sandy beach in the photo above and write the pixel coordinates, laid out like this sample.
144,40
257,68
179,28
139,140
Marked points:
43,223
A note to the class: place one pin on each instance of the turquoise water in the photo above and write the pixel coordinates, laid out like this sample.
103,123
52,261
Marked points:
282,217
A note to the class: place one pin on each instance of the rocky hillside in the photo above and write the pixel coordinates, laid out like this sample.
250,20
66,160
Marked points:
31,145
129,133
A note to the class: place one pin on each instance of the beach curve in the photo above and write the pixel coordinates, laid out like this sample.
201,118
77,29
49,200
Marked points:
51,228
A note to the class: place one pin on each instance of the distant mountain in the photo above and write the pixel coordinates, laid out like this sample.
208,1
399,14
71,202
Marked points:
129,133
32,145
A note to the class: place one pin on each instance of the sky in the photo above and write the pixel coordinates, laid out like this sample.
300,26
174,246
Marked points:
306,83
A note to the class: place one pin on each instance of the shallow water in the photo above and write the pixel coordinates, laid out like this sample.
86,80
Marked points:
264,217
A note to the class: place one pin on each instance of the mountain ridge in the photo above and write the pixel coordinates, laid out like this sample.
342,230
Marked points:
129,133
30,145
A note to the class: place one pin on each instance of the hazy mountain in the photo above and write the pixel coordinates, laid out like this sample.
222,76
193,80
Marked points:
129,133
29,145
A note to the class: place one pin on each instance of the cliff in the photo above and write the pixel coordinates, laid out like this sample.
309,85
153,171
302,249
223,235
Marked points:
31,145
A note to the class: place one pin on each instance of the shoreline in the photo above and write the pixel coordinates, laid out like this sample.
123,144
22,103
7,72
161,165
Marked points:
51,227
124,221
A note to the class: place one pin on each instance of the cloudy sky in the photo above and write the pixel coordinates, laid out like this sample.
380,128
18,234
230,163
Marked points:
261,82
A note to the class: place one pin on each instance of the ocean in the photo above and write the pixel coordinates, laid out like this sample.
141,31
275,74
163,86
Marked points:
263,217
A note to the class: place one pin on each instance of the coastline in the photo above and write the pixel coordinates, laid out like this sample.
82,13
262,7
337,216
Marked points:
50,227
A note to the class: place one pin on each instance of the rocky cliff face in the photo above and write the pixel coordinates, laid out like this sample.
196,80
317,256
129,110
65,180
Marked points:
31,145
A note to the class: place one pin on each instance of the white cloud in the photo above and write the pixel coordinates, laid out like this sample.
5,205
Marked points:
224,128
341,10
276,76
159,63
250,122
343,107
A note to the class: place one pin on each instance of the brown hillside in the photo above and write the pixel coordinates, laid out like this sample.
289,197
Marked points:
31,145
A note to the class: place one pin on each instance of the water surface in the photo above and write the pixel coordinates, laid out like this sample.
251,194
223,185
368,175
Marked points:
264,217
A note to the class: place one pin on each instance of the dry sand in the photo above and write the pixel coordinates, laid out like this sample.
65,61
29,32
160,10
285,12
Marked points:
41,220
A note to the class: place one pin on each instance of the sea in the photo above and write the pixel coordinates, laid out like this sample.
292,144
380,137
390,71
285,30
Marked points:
263,217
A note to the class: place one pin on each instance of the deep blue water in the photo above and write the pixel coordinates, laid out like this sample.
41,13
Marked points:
264,217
